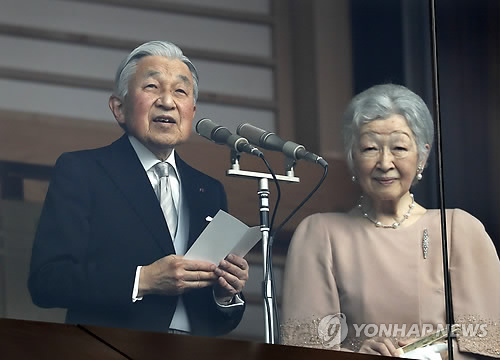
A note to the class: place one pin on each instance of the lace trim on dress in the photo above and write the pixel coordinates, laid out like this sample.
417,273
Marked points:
304,333
477,336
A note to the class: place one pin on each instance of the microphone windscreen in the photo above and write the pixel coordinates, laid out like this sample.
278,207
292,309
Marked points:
252,133
204,127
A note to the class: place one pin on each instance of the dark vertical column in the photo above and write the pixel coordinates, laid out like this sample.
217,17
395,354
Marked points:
377,41
320,52
469,106
494,116
304,74
283,73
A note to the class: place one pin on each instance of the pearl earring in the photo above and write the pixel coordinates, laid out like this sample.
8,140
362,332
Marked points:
419,172
354,178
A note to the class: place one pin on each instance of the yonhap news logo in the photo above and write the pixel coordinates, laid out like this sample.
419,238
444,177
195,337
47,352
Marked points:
332,330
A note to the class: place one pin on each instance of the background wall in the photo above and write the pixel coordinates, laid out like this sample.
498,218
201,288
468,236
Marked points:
285,65
69,50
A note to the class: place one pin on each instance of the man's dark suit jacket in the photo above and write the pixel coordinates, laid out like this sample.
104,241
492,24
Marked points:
100,220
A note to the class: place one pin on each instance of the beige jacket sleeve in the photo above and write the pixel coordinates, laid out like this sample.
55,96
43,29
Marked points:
475,281
310,291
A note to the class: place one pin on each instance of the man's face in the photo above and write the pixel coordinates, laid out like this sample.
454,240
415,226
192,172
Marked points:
159,107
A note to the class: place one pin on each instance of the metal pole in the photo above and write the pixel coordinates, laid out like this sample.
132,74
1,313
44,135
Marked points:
267,282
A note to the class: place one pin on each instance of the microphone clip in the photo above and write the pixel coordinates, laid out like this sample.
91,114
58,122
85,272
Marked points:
290,166
235,159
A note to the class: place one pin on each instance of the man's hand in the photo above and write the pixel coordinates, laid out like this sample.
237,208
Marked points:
232,274
174,275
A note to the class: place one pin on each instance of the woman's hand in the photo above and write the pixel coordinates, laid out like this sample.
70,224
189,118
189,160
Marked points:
380,346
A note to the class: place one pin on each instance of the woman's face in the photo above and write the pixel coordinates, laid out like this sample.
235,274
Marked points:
386,158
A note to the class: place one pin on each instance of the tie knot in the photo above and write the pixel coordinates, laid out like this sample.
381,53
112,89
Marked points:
161,169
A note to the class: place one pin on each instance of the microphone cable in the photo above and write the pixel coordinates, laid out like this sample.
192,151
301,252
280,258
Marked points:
325,173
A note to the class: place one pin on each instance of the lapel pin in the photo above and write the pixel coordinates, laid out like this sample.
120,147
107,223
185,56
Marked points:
209,218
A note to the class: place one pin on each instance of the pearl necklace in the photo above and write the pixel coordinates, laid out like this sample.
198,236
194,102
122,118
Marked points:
396,224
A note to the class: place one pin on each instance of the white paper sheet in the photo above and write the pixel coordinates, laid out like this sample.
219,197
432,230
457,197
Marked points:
224,235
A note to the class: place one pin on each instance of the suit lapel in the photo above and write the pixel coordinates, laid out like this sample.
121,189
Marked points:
126,171
194,192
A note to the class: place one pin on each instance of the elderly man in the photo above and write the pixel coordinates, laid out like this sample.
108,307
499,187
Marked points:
117,220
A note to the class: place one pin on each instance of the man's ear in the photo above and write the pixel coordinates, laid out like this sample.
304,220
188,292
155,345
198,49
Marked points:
117,108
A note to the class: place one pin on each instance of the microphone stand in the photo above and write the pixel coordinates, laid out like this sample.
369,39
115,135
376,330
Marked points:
263,193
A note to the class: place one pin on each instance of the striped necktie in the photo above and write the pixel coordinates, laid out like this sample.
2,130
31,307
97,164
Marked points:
164,193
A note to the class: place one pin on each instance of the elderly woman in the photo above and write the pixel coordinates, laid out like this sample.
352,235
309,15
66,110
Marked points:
371,280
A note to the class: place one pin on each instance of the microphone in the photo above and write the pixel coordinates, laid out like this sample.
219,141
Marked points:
271,141
222,136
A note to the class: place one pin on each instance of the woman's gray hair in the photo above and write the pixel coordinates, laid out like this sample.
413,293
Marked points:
380,102
128,66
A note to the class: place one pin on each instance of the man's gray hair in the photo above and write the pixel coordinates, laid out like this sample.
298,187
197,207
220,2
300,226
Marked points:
380,102
128,66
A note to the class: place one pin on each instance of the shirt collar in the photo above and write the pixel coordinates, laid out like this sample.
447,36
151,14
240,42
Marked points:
147,158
